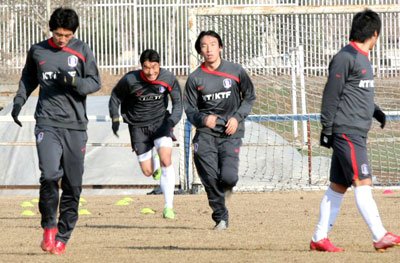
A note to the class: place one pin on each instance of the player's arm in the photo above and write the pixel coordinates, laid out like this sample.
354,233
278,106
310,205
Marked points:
248,96
339,70
27,85
89,82
177,104
117,96
190,100
246,104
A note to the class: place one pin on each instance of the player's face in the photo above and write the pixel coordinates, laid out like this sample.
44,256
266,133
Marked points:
151,70
210,49
62,36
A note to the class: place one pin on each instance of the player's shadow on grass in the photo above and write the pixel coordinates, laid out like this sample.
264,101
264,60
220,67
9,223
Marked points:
140,227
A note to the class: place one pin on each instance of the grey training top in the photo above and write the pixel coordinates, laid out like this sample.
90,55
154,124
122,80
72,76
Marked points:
226,92
348,97
59,105
143,101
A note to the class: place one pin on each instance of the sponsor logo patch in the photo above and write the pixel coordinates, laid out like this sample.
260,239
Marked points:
227,83
162,89
40,137
364,169
196,147
72,61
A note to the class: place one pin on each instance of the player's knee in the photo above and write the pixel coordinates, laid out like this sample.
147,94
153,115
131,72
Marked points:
166,162
229,180
147,172
50,175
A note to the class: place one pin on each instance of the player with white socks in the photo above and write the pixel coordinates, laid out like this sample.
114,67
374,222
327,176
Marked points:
143,97
346,117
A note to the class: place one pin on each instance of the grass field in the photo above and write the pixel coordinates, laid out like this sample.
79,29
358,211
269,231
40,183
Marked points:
264,227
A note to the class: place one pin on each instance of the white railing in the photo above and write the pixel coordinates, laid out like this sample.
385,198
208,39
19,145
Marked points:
119,30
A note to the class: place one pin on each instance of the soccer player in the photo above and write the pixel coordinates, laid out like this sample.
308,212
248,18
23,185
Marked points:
66,71
218,97
346,117
143,96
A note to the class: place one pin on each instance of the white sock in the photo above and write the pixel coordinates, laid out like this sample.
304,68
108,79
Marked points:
328,211
168,185
156,160
369,211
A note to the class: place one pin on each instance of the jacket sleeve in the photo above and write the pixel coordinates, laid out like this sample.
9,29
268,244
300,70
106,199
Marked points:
190,99
29,80
339,68
117,96
90,81
177,104
248,96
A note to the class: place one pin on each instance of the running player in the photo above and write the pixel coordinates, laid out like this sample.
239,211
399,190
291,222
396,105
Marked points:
143,96
346,117
66,71
218,97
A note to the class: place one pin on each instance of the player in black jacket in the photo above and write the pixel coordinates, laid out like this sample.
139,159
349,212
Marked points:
346,117
143,96
218,97
66,71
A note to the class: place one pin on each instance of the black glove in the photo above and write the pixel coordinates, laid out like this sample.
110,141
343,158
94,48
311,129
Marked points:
115,127
15,112
64,78
326,140
381,117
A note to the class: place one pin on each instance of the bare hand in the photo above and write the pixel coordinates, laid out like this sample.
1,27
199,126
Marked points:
231,126
210,121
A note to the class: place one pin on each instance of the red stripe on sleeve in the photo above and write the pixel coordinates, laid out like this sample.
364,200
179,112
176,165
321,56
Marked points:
162,83
219,73
353,157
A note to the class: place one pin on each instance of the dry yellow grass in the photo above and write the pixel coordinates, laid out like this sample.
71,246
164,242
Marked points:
264,227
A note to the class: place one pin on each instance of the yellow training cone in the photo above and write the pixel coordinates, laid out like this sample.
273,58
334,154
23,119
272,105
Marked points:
83,200
27,204
80,204
128,199
84,212
35,200
147,211
27,213
122,202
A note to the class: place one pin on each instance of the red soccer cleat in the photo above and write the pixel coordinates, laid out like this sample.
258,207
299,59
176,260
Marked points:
58,249
324,245
49,239
388,240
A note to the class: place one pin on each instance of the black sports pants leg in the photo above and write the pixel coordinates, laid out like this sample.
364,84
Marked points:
206,161
74,148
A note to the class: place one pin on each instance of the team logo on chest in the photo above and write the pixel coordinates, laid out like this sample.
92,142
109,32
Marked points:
227,83
161,89
72,61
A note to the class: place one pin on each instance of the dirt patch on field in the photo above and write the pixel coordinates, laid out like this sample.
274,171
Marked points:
264,227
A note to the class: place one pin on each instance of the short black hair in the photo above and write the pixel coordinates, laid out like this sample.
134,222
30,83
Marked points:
207,33
64,18
150,55
364,25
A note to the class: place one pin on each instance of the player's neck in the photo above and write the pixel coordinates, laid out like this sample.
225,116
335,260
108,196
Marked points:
214,65
366,46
